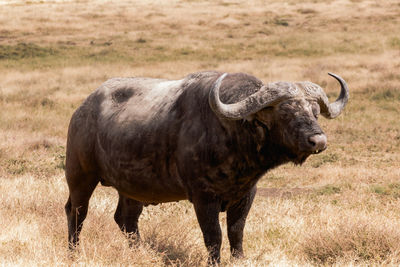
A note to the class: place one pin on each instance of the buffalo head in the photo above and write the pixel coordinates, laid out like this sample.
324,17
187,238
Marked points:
287,113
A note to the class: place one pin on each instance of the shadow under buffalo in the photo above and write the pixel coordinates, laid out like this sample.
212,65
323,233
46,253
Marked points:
176,244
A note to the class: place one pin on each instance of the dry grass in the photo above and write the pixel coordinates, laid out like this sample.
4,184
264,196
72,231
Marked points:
342,207
367,238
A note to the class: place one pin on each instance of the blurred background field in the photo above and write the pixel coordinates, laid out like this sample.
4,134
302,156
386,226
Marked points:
342,207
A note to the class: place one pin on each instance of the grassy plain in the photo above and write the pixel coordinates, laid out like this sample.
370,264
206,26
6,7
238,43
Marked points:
342,207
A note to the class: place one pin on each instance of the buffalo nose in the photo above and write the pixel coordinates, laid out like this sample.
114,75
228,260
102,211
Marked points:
317,142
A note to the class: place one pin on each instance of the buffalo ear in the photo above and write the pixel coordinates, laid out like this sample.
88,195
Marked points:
249,118
265,117
260,131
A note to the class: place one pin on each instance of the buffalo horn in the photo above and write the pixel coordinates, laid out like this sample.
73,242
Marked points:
268,95
332,110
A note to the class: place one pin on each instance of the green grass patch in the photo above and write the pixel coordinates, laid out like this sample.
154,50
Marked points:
392,76
16,166
26,56
281,22
274,235
323,159
394,42
390,94
306,11
25,50
60,158
380,190
328,190
41,158
390,190
108,55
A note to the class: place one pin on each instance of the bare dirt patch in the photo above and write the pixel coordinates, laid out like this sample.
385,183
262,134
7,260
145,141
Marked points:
282,193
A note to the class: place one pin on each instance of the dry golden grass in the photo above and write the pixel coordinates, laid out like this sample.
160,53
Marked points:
342,207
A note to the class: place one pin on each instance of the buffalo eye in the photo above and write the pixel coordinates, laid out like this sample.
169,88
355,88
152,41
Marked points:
315,110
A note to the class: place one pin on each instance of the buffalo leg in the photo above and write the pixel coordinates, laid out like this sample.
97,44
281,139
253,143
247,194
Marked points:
127,216
207,209
81,188
236,219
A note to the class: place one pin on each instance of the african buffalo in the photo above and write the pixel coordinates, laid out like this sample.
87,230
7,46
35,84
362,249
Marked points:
208,138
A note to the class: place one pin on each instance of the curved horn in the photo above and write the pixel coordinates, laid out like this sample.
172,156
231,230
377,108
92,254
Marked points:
267,95
332,110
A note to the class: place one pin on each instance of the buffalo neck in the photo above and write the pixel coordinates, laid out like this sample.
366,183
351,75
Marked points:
257,146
